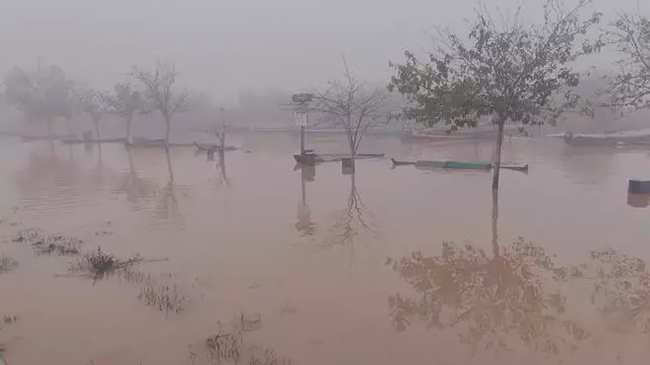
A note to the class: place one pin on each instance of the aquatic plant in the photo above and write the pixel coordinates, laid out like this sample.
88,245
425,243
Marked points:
229,345
163,297
7,264
58,245
99,265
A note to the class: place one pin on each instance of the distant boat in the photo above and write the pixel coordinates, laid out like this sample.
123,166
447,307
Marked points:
443,133
635,138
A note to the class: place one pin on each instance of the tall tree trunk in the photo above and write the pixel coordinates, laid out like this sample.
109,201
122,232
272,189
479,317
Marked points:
128,129
168,124
49,129
97,128
497,163
495,221
68,123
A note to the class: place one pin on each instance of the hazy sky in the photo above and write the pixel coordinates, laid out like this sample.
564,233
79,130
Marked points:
222,46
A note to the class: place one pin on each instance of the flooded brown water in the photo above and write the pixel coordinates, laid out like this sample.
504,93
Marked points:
387,266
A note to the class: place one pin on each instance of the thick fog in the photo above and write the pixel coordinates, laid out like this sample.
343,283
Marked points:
222,47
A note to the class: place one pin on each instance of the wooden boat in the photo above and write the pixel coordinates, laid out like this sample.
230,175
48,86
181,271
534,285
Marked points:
103,140
319,158
458,165
443,133
626,138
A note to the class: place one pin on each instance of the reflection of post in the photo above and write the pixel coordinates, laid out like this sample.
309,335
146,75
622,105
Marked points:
304,223
495,219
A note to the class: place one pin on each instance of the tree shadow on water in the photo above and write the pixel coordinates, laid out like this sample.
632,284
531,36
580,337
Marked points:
351,221
497,301
517,297
167,207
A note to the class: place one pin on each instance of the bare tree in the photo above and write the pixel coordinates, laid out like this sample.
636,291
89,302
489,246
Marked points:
124,102
351,105
630,88
159,85
505,70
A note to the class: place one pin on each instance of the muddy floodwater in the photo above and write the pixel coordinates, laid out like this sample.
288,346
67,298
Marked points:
111,256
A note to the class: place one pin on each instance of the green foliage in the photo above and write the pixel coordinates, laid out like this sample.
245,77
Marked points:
630,88
508,71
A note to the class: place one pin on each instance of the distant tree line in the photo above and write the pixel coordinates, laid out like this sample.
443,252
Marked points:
503,70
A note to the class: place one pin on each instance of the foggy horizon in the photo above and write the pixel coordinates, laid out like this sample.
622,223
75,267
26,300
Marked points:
222,48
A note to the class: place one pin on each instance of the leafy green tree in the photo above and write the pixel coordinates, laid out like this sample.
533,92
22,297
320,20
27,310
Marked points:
630,87
507,71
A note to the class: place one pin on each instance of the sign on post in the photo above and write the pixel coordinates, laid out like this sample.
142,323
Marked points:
300,119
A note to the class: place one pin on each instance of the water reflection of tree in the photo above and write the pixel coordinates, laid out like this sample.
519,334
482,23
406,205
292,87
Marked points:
351,221
620,290
496,301
167,205
221,165
46,171
133,185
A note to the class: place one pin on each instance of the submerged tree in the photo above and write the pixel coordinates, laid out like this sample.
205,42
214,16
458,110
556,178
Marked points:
350,104
160,92
630,88
42,95
506,71
124,102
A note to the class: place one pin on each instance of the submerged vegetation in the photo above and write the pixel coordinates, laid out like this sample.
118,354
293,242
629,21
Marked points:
49,245
7,320
229,346
163,297
99,265
7,264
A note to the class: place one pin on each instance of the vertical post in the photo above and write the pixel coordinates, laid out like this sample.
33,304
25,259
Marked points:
302,140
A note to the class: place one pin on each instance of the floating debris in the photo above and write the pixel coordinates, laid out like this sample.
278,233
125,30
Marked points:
99,265
250,324
7,264
163,297
47,245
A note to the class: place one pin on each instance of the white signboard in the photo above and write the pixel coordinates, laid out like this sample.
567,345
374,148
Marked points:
300,119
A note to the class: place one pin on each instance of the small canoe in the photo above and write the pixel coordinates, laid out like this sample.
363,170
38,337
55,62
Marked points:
459,165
